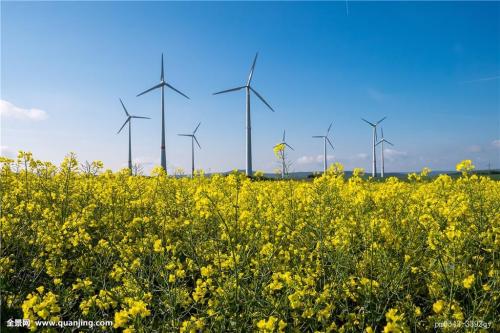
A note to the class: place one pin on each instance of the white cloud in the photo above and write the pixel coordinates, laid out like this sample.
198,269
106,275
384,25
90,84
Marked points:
393,154
6,151
361,156
308,159
377,95
474,149
496,143
9,110
143,160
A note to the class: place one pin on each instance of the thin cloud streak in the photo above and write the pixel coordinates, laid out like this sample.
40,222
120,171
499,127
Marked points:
307,159
482,79
377,95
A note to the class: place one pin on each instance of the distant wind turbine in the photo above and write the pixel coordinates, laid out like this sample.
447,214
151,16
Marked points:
382,141
283,162
129,121
162,85
374,158
325,140
248,88
193,139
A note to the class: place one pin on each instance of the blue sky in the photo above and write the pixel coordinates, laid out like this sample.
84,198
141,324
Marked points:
433,68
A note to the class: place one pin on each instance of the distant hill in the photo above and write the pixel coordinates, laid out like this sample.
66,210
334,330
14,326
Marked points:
304,175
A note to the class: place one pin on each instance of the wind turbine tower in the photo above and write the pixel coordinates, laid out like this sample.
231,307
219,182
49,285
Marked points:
374,158
325,140
129,121
193,140
283,162
381,142
248,88
162,86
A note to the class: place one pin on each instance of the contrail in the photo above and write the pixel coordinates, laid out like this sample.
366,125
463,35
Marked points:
483,79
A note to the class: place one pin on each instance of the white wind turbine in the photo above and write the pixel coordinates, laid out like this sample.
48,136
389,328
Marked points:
283,162
248,88
374,158
325,140
129,121
381,142
193,140
162,85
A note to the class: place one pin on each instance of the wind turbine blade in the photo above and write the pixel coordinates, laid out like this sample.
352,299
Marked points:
196,128
289,146
378,142
153,88
378,122
318,136
283,136
139,117
125,123
228,90
185,134
389,142
329,128
262,99
252,69
329,142
382,132
366,121
195,139
168,85
161,78
124,108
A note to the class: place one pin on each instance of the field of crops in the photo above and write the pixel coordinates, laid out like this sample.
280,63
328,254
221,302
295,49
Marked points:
225,253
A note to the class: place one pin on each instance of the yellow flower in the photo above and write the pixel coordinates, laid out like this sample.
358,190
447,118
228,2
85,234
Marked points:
44,313
438,306
267,325
157,246
275,285
123,247
468,281
267,249
281,326
121,319
418,311
465,166
138,308
206,271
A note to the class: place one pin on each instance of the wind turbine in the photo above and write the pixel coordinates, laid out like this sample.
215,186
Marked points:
285,144
248,88
325,140
193,139
374,159
382,141
162,85
129,121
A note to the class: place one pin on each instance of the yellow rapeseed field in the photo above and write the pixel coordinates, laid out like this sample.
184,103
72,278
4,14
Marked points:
226,253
